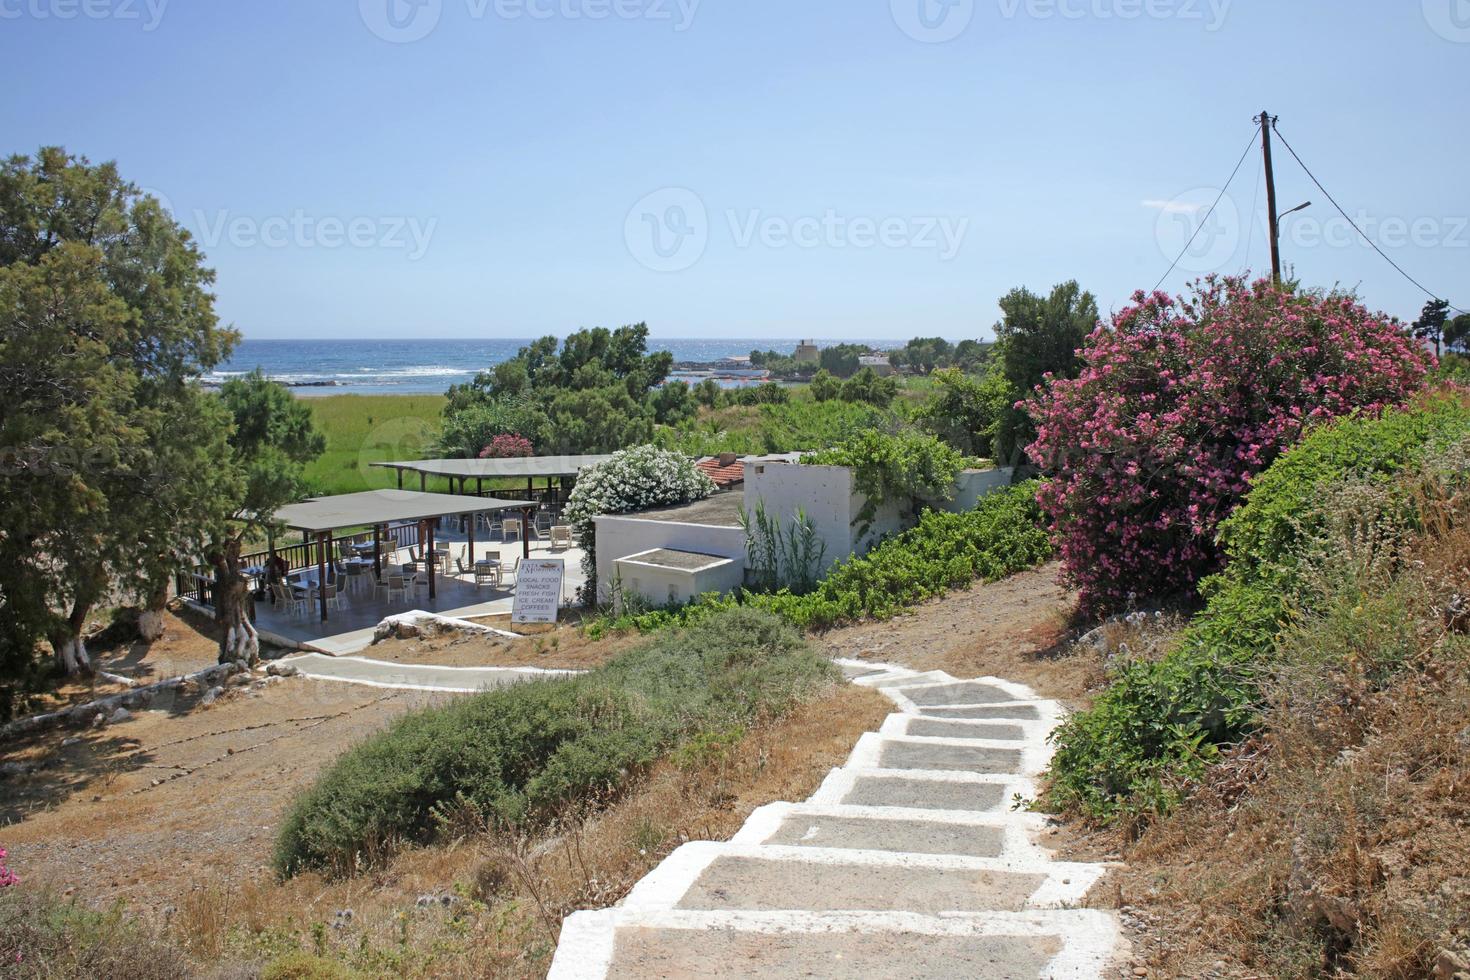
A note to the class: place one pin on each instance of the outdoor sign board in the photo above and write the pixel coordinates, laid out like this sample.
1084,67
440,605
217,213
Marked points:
538,591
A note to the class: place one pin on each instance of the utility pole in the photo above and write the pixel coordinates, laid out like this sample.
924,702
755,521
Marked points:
1266,122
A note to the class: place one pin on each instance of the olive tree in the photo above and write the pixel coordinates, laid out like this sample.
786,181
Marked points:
106,322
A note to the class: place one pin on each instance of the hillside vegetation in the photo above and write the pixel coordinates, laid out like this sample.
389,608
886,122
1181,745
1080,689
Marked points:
516,757
1297,764
1161,723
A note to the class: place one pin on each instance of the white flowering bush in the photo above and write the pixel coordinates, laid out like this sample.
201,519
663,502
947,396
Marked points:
632,480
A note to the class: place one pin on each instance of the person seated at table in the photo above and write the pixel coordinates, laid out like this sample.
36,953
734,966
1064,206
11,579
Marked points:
276,570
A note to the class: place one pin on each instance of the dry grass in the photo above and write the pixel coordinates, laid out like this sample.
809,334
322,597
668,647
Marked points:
506,896
1334,844
566,647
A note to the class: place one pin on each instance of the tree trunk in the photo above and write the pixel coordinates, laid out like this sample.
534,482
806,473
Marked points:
67,643
150,620
238,640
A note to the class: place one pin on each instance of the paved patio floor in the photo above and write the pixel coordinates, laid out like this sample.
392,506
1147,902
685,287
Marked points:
350,629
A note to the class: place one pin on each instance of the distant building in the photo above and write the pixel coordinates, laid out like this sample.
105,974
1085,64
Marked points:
807,352
737,362
880,364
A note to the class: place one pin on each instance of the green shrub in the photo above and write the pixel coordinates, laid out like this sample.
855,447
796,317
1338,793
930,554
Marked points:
1159,724
1000,537
518,755
909,469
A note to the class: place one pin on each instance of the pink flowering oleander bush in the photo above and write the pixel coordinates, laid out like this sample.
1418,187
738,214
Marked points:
508,447
1179,404
7,877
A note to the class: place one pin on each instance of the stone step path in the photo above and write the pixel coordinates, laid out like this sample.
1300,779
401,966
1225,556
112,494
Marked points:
414,677
908,862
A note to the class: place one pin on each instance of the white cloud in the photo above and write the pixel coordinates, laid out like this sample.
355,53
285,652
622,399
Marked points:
1175,206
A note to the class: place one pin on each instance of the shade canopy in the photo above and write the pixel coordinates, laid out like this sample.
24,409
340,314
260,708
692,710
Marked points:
522,468
323,514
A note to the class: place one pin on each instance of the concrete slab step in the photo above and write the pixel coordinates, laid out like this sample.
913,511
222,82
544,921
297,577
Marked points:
875,751
909,861
960,692
765,877
853,669
912,831
930,677
995,731
1016,711
622,943
957,792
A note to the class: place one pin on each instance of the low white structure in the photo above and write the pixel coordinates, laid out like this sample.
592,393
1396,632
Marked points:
673,578
784,487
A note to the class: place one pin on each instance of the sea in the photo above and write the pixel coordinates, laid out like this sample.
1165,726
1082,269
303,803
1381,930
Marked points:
430,367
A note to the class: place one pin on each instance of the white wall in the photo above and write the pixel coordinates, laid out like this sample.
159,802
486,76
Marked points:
619,537
974,484
823,493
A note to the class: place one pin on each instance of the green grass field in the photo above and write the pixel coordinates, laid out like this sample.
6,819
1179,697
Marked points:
366,429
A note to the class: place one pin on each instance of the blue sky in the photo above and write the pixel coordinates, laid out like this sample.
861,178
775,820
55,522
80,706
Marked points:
750,168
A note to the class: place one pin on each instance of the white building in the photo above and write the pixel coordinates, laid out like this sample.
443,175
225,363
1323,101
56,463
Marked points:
677,551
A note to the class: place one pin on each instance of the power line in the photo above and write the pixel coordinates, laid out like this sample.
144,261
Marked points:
1250,239
1201,227
1302,164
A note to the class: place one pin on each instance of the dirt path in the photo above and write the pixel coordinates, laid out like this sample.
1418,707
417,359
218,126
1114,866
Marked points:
1015,628
180,793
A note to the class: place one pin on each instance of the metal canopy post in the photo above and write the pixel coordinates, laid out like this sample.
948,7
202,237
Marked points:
321,571
470,524
429,556
378,550
528,515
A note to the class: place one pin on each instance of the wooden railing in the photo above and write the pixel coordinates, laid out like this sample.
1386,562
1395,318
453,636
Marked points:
197,584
